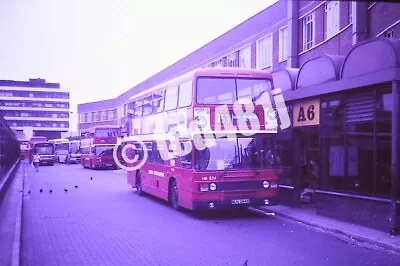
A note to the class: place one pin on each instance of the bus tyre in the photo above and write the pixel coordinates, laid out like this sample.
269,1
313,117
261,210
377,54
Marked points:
138,184
173,194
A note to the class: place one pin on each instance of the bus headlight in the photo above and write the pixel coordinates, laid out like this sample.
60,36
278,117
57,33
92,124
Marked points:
266,184
213,186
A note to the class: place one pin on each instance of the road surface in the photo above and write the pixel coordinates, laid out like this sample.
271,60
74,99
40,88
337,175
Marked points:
103,222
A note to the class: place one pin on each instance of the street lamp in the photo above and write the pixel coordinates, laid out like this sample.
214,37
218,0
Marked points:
70,124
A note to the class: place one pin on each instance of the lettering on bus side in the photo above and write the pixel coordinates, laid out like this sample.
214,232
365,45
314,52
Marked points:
156,173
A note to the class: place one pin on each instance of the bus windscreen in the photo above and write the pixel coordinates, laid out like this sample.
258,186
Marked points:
44,149
104,150
212,90
74,147
256,152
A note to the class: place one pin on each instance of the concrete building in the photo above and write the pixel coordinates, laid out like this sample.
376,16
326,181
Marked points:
35,108
284,35
344,59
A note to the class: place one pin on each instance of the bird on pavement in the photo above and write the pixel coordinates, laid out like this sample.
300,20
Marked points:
91,178
51,191
41,190
65,189
76,186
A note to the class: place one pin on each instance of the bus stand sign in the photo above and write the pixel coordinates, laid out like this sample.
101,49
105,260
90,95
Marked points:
306,113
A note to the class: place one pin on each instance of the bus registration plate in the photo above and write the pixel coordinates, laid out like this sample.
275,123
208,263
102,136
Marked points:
240,201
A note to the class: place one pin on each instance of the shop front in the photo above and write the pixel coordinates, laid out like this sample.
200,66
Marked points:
342,147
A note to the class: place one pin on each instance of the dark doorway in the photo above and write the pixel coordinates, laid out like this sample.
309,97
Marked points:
310,162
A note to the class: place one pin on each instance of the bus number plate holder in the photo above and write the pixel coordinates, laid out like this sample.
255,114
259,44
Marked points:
240,201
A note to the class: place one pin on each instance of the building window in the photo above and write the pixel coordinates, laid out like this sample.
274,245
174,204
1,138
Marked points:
103,116
350,12
82,118
89,117
308,31
332,20
220,63
96,116
283,44
245,57
110,114
125,110
264,53
389,34
6,94
231,60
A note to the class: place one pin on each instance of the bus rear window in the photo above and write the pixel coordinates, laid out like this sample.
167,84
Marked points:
230,90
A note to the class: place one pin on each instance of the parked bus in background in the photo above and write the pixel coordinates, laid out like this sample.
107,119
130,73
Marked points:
210,158
61,147
74,154
107,134
97,146
36,139
99,156
25,148
32,142
46,152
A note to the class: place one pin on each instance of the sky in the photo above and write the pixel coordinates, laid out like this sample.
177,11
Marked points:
99,49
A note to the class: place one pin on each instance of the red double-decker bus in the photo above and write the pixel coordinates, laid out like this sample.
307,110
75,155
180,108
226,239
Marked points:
206,140
97,147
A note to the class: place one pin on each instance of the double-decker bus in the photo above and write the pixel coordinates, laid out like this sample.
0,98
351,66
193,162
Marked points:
206,140
25,148
107,134
46,152
97,147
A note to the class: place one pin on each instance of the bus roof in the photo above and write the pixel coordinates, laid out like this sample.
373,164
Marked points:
208,72
43,143
39,137
58,140
101,127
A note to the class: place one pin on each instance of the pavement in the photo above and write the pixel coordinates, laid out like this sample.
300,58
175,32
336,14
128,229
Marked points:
10,218
307,215
94,218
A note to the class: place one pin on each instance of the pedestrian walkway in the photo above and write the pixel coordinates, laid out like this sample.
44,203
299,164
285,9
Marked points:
308,216
10,219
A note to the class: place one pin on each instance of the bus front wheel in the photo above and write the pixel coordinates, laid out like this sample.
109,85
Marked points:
173,194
